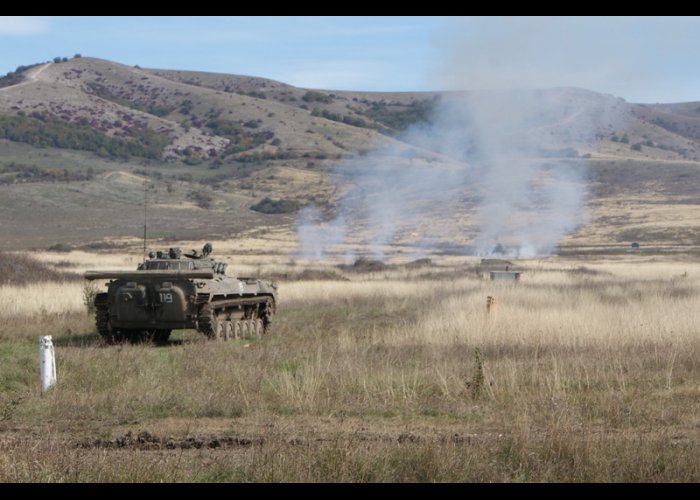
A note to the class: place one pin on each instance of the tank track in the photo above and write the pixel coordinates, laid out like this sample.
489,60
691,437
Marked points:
215,321
103,327
206,321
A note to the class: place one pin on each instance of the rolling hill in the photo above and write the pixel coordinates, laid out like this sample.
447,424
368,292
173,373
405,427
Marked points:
80,138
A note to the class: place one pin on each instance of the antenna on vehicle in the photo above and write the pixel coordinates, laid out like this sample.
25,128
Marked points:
145,211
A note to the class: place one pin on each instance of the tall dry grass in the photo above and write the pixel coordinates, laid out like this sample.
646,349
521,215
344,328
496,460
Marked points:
580,374
79,261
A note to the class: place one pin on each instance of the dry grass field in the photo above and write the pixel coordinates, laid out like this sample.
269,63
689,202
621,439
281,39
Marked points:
586,370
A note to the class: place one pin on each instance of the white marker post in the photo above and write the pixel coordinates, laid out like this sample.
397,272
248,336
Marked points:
47,362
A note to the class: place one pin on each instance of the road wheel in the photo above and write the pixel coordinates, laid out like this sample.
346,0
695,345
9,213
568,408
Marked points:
219,329
269,311
228,330
258,328
237,330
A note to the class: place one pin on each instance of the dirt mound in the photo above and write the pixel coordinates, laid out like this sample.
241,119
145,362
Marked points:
147,441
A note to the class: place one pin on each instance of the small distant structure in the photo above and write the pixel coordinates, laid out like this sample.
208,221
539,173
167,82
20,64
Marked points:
496,262
498,270
504,276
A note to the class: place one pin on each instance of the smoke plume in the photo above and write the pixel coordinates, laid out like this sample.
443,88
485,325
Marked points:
497,171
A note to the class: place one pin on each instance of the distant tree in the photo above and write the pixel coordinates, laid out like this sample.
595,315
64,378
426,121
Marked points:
57,60
65,59
77,56
636,147
311,96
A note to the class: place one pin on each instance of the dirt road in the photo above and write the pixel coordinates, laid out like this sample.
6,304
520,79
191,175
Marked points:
31,76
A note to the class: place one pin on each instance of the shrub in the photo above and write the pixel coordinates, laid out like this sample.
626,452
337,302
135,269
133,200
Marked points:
90,291
348,120
312,96
15,173
138,104
270,206
201,198
400,119
255,93
60,247
240,139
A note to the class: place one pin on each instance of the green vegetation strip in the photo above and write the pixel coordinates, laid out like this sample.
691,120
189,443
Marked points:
44,131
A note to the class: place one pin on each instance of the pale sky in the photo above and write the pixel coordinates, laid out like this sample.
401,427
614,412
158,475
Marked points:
653,59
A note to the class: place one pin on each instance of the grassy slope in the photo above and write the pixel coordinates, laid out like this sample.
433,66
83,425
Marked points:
637,195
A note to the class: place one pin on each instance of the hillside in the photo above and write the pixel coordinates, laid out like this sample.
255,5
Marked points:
79,138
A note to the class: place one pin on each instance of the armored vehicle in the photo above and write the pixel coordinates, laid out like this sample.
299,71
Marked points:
172,290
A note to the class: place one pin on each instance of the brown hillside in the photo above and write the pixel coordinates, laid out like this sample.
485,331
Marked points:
214,145
114,98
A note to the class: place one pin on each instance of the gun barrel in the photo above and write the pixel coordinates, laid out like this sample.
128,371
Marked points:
159,274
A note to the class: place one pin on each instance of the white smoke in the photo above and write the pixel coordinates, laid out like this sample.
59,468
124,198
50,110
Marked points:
525,203
493,172
315,235
394,193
